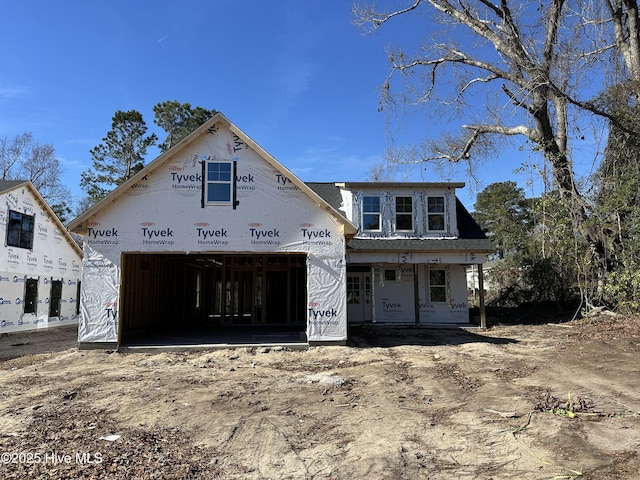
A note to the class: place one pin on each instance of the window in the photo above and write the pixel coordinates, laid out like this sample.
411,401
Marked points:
219,183
371,213
353,290
55,298
435,213
437,286
30,295
404,213
79,284
20,230
198,290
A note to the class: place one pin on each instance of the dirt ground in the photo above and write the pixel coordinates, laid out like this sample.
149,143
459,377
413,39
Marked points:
549,401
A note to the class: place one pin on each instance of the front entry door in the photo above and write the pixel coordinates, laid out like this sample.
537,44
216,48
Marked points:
359,297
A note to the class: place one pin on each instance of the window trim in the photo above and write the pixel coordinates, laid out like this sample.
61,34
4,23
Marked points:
437,214
404,214
20,230
378,214
230,182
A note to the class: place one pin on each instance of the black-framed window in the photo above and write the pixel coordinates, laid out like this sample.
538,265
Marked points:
20,230
79,284
404,213
435,213
371,214
390,275
438,285
55,298
30,295
218,183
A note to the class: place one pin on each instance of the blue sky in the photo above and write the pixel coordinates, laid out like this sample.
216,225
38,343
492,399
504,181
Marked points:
296,76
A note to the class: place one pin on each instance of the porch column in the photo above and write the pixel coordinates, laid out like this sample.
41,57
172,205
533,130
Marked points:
416,293
483,314
373,294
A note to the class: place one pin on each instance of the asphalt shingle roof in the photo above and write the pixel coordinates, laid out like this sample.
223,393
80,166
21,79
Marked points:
421,245
9,184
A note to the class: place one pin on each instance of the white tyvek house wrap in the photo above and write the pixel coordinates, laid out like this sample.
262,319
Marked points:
327,305
99,302
395,303
162,213
52,257
352,206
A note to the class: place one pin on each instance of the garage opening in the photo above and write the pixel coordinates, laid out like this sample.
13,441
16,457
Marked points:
211,295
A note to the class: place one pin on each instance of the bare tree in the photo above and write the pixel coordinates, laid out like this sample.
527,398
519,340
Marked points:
528,63
626,33
12,155
529,69
23,158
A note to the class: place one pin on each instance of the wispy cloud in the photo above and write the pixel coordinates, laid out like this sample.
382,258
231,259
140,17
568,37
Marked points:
292,77
80,141
13,91
294,67
331,161
163,38
70,164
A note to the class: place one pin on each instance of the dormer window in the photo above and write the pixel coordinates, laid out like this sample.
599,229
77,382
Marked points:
404,214
371,214
435,214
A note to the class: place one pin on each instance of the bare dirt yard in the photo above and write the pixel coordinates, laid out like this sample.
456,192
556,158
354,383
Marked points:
547,401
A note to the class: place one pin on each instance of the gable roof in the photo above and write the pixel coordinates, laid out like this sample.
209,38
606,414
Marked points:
467,226
79,224
330,191
8,185
471,237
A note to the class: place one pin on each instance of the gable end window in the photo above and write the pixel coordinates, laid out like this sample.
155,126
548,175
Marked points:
20,230
435,214
371,214
218,183
404,214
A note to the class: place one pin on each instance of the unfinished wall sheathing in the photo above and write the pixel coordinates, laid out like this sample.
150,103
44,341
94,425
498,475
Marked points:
160,212
39,286
425,284
442,294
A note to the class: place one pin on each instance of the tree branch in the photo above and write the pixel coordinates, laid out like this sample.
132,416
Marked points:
479,130
367,15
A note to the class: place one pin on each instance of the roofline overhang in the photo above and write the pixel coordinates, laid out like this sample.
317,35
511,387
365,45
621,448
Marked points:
431,250
414,185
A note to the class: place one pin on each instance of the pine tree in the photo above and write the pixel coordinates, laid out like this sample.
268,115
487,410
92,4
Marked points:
119,157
